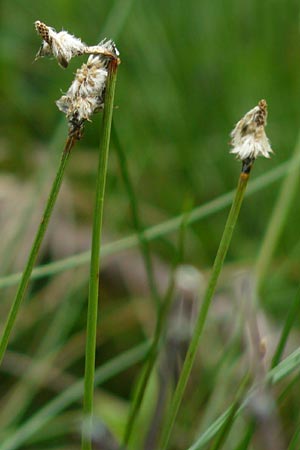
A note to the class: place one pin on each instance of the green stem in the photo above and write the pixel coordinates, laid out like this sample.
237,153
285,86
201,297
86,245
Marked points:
193,347
35,247
95,259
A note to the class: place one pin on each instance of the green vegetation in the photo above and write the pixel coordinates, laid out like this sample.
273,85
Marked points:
189,72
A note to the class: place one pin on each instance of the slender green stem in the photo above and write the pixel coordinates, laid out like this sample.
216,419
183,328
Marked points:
217,267
95,259
35,247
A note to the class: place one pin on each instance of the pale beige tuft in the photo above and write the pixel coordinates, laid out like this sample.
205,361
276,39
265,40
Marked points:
63,46
86,93
248,138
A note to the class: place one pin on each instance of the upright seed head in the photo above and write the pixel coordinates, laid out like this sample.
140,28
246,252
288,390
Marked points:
248,138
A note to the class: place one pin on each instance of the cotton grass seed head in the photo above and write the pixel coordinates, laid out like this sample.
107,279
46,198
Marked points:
63,46
248,138
86,93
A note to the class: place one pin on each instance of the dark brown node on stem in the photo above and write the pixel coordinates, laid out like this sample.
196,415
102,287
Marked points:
76,132
247,165
114,63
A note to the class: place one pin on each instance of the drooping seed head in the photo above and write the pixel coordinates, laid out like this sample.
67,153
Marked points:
63,46
86,93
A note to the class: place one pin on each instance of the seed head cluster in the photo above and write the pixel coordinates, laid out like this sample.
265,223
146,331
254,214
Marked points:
86,93
248,138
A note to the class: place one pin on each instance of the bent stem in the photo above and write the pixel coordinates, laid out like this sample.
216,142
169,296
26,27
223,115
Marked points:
210,290
95,260
35,247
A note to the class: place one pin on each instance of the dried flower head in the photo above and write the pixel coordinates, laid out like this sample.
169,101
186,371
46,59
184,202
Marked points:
86,93
248,138
63,46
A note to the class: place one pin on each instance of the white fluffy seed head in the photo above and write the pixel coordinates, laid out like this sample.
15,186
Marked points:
248,138
63,46
86,93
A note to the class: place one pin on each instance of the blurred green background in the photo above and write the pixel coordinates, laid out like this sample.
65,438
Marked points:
190,70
